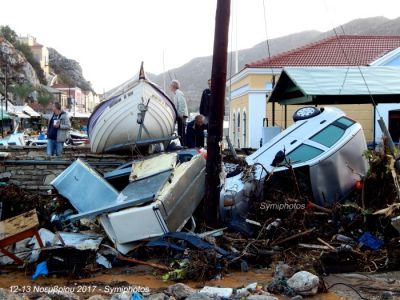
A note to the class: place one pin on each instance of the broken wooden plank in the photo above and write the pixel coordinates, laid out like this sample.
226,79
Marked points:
295,236
314,247
145,263
325,243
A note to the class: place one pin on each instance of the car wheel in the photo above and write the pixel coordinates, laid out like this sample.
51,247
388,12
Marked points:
305,113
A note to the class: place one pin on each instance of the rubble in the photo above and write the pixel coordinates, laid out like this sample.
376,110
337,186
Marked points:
304,283
180,291
299,240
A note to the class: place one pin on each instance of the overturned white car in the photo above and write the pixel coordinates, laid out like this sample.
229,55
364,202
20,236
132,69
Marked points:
324,142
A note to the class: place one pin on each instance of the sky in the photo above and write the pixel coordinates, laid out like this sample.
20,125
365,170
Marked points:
109,38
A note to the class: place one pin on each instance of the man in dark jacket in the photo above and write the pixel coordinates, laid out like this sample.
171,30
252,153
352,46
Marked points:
195,132
57,131
205,101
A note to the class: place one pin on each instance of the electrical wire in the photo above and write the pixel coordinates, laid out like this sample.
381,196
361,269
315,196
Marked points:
349,286
268,46
349,61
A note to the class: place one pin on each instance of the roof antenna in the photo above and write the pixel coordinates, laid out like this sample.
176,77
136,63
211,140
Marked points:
142,75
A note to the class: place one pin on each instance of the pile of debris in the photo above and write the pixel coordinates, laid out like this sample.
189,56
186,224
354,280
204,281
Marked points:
274,214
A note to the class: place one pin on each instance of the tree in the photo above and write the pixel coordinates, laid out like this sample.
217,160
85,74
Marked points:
9,34
44,97
22,91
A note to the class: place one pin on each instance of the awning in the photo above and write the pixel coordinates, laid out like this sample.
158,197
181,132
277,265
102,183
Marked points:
22,115
337,85
30,111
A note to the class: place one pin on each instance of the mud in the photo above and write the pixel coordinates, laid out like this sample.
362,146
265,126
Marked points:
137,277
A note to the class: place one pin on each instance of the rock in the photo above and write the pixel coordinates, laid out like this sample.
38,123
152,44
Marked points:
261,297
43,298
5,175
158,296
304,283
201,296
387,295
217,291
6,294
63,296
251,286
298,297
180,291
69,69
96,297
240,293
122,296
283,271
17,63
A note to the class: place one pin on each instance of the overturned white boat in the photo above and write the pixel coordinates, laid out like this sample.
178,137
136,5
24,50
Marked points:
141,114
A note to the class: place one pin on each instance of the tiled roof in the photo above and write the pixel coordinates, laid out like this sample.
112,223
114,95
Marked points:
344,50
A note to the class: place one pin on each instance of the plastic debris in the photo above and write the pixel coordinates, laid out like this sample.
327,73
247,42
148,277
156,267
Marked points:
41,270
370,241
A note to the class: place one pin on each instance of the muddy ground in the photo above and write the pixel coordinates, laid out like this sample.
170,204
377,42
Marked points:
370,286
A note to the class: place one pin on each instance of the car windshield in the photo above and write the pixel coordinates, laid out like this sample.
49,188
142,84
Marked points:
303,153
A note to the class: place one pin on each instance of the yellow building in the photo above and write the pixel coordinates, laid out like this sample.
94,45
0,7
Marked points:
249,110
40,52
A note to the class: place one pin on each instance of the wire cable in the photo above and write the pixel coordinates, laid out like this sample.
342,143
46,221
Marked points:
349,286
357,64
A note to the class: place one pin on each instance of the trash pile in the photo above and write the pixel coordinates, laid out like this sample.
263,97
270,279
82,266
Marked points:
149,212
295,235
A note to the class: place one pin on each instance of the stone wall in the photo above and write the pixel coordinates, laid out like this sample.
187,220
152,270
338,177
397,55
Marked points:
30,168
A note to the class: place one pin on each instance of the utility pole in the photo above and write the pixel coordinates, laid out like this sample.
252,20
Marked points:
217,112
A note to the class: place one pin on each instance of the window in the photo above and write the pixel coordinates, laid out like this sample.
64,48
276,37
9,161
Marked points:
332,133
303,153
238,130
345,122
234,127
328,136
244,128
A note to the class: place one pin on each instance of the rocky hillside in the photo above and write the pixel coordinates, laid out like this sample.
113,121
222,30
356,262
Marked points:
24,72
18,68
194,74
68,71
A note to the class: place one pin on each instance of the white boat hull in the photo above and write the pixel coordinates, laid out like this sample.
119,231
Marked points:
114,125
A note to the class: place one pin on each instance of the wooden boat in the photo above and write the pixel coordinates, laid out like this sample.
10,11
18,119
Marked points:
141,114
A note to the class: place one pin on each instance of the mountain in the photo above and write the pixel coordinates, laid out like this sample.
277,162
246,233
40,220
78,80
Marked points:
68,71
194,74
17,64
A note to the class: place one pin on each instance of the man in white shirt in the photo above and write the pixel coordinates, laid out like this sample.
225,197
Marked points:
181,108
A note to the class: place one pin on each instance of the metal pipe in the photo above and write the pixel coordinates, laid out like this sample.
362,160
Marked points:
374,127
285,116
217,111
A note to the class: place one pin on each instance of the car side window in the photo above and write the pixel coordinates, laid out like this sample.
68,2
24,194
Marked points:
303,153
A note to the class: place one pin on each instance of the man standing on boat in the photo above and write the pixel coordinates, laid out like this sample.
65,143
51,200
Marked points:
181,108
57,131
205,102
